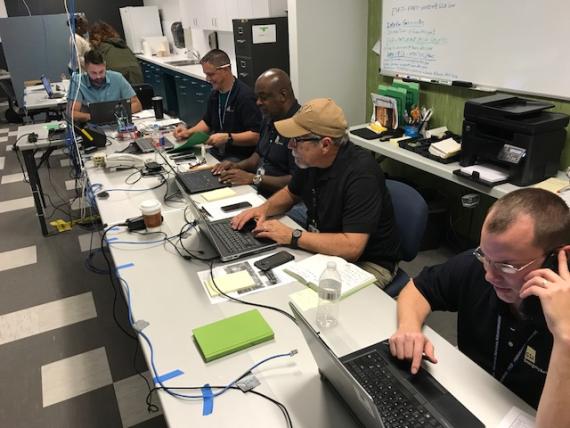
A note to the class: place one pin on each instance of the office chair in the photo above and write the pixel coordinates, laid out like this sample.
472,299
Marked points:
144,92
410,213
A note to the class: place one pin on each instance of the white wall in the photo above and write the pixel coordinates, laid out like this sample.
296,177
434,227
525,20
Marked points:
327,43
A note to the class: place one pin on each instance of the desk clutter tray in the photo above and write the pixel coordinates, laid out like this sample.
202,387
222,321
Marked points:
421,147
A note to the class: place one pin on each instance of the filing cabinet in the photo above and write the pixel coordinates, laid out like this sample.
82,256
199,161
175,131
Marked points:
260,44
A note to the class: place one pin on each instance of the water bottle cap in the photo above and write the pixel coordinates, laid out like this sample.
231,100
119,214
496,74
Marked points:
331,265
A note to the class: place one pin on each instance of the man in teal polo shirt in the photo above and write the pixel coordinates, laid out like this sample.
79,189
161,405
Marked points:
96,85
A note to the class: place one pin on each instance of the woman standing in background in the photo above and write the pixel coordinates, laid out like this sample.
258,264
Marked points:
117,55
82,45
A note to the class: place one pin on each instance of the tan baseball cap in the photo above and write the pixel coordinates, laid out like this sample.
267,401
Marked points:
320,116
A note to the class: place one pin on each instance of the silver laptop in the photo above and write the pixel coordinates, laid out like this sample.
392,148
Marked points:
47,86
381,391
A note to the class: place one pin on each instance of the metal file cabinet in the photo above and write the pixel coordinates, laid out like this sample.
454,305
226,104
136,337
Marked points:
260,44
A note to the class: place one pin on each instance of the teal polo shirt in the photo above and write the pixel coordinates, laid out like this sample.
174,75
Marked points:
115,88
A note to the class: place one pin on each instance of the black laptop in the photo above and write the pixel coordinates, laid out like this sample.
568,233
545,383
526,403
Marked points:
381,391
103,113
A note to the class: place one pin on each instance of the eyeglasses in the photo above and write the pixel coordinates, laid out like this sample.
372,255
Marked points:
505,268
293,141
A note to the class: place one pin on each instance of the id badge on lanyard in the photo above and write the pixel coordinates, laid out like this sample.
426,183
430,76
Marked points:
314,222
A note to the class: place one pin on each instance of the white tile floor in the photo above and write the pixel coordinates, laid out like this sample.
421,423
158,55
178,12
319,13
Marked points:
131,394
77,204
2,162
69,184
16,204
85,241
49,316
73,376
12,178
65,162
17,258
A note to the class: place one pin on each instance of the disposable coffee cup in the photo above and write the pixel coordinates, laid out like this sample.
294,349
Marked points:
158,108
150,210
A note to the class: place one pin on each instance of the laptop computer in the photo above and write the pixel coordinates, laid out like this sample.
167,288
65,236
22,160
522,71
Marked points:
229,243
381,391
47,86
195,181
103,112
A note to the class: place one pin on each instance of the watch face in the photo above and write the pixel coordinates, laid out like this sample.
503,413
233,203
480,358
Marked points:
297,233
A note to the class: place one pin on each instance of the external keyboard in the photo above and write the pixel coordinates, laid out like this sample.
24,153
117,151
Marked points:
397,406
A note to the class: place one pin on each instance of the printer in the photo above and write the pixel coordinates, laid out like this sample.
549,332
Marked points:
514,134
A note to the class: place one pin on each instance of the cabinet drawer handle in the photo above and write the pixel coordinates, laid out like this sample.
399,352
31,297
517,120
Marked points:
243,74
240,40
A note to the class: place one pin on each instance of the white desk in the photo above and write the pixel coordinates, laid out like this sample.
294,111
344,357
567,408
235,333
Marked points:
166,293
36,98
433,167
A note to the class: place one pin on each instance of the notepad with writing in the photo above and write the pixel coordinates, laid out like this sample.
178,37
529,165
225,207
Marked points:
232,334
309,270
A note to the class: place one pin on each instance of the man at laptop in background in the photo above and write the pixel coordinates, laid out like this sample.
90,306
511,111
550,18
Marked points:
502,326
349,208
232,118
97,85
270,167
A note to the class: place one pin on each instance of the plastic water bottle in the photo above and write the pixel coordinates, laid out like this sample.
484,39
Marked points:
155,135
329,295
120,116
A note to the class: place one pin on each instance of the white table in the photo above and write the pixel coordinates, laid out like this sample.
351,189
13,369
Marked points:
36,98
166,293
433,167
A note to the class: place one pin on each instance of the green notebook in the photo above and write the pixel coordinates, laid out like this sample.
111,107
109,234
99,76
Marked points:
232,334
195,139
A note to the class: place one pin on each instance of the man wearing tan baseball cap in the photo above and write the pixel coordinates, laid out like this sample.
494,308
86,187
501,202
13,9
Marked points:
350,211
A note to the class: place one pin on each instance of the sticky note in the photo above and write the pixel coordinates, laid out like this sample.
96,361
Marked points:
305,299
214,195
230,282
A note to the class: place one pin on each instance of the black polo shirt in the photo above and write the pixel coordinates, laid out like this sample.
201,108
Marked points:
351,196
238,114
272,148
459,286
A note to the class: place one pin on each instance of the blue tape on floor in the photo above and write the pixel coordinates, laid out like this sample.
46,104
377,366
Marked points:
208,400
125,266
167,376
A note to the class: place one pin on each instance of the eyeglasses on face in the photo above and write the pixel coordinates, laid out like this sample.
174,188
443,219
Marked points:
505,268
293,141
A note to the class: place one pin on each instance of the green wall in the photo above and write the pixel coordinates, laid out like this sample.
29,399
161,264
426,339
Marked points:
447,103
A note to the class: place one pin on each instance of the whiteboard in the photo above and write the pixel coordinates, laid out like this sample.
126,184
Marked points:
517,45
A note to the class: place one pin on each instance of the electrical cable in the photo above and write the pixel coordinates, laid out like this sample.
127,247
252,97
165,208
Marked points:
245,302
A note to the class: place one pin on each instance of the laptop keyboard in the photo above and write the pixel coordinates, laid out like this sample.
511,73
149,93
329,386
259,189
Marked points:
234,240
397,406
145,145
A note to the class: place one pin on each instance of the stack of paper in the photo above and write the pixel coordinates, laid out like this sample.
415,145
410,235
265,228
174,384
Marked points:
488,173
445,148
309,270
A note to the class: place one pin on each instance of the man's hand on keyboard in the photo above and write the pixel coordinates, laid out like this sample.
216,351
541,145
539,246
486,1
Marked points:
256,213
274,230
407,344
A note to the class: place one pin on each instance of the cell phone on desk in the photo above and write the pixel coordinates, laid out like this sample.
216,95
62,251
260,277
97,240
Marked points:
274,260
234,207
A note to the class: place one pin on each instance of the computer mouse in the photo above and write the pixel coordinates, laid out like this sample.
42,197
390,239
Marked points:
103,195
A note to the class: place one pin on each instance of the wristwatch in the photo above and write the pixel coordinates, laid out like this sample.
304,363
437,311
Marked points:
258,176
295,235
230,138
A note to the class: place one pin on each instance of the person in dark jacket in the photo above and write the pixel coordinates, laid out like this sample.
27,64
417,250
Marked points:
115,51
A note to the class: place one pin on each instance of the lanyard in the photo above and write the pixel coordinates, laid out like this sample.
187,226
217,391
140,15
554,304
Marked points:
517,356
222,117
314,223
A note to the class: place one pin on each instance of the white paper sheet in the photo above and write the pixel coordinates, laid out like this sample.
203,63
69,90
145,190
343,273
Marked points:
516,418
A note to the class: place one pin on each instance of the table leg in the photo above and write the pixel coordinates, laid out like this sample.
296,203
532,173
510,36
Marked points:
37,193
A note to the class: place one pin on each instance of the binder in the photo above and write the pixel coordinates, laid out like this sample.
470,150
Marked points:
232,334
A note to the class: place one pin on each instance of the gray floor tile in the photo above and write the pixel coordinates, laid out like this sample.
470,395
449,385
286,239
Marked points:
17,258
131,393
49,316
73,376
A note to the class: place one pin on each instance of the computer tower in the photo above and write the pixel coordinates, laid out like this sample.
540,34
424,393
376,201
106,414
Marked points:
260,44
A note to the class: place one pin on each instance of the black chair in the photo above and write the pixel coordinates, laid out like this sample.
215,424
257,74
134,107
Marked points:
411,212
144,92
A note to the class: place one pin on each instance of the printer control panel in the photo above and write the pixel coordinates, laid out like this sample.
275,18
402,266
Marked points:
511,154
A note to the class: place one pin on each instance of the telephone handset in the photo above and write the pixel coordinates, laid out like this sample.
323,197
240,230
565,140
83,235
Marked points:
531,307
